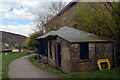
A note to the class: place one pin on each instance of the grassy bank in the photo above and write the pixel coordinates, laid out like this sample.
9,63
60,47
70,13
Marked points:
56,72
97,74
7,59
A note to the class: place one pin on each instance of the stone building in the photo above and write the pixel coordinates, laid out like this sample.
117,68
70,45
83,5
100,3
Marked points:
63,18
72,50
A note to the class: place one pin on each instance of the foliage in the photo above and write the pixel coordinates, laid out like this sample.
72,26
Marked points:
31,42
16,45
102,19
95,18
58,24
96,74
7,59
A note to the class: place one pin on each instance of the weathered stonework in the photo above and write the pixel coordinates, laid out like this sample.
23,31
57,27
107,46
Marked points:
65,55
68,13
51,59
79,65
44,60
96,51
91,50
70,55
104,50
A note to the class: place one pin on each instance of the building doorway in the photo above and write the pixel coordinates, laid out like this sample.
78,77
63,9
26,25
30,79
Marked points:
59,53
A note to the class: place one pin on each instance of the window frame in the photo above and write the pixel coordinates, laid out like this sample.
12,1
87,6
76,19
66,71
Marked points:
84,56
64,19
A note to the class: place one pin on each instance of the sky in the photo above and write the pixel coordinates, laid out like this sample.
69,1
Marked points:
19,16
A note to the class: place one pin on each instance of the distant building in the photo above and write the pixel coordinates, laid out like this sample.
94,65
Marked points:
72,50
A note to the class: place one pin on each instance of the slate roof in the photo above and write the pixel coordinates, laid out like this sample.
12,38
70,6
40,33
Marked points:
52,33
74,35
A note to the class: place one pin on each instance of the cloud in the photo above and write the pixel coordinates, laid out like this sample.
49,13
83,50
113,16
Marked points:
22,14
38,0
26,10
19,29
17,15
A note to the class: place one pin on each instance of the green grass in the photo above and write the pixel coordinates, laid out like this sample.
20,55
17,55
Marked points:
7,59
95,74
56,72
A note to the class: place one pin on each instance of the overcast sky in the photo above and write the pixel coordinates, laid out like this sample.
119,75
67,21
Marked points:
19,16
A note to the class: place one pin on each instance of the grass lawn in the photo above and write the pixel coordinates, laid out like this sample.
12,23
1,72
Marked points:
7,59
96,74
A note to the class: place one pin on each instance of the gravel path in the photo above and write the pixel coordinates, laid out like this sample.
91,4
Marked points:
23,68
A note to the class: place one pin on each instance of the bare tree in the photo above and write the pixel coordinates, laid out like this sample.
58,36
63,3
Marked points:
56,7
42,20
44,17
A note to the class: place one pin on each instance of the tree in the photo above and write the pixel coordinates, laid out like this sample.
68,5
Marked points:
31,43
44,17
42,20
114,10
56,7
16,45
102,19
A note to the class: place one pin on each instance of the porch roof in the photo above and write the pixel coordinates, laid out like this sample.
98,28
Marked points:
74,35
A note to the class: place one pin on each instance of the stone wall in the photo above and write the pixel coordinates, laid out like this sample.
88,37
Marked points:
79,65
104,51
70,56
72,10
96,51
52,60
68,13
50,24
65,55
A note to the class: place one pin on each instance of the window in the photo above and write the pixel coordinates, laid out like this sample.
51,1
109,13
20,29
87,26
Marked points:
75,11
75,26
50,48
64,19
84,53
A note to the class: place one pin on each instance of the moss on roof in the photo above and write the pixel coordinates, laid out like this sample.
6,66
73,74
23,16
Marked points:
98,37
